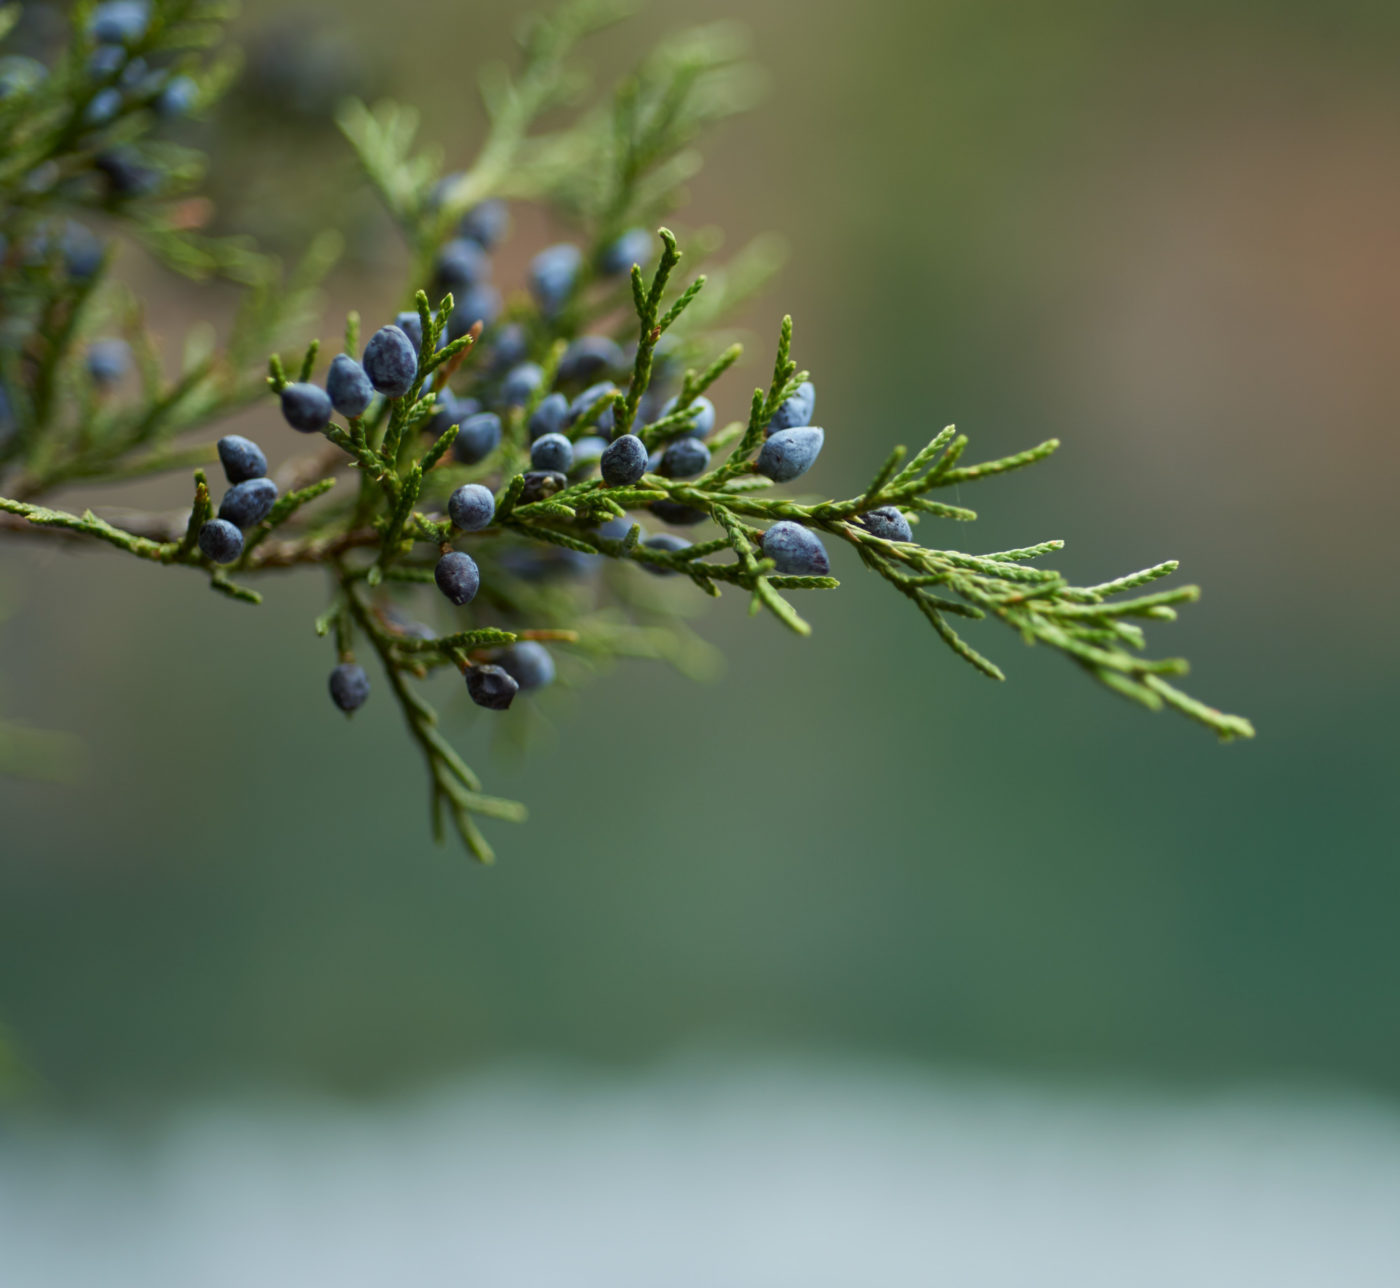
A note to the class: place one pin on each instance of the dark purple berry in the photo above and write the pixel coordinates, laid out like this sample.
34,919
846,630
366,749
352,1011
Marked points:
391,362
248,502
348,387
887,522
306,407
540,484
794,549
624,462
790,452
457,577
472,507
491,687
349,687
221,541
241,458
552,452
477,437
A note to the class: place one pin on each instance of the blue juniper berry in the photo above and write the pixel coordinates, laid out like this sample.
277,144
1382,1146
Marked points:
459,265
247,503
479,304
349,686
528,663
616,529
451,410
348,387
520,384
624,462
108,361
492,687
684,459
106,60
670,544
701,412
509,346
485,223
550,416
477,437
605,420
119,22
790,452
471,507
221,541
633,247
103,106
391,361
553,273
887,522
590,356
306,407
795,549
82,250
551,452
458,577
795,410
178,97
241,458
412,326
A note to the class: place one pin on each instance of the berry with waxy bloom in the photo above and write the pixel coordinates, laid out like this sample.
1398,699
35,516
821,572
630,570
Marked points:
349,687
458,577
795,549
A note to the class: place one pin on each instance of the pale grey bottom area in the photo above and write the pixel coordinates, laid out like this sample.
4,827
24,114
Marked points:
780,1174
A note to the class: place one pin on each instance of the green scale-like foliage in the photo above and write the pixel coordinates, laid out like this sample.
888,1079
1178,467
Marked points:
368,508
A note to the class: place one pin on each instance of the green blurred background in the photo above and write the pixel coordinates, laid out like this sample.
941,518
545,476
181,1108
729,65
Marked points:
1167,235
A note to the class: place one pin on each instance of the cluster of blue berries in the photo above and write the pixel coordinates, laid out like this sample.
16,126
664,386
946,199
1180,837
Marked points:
573,429
247,502
463,265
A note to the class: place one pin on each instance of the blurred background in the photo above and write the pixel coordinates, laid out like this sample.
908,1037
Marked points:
890,973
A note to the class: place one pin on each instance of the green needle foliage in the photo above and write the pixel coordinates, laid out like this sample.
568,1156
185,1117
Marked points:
368,506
